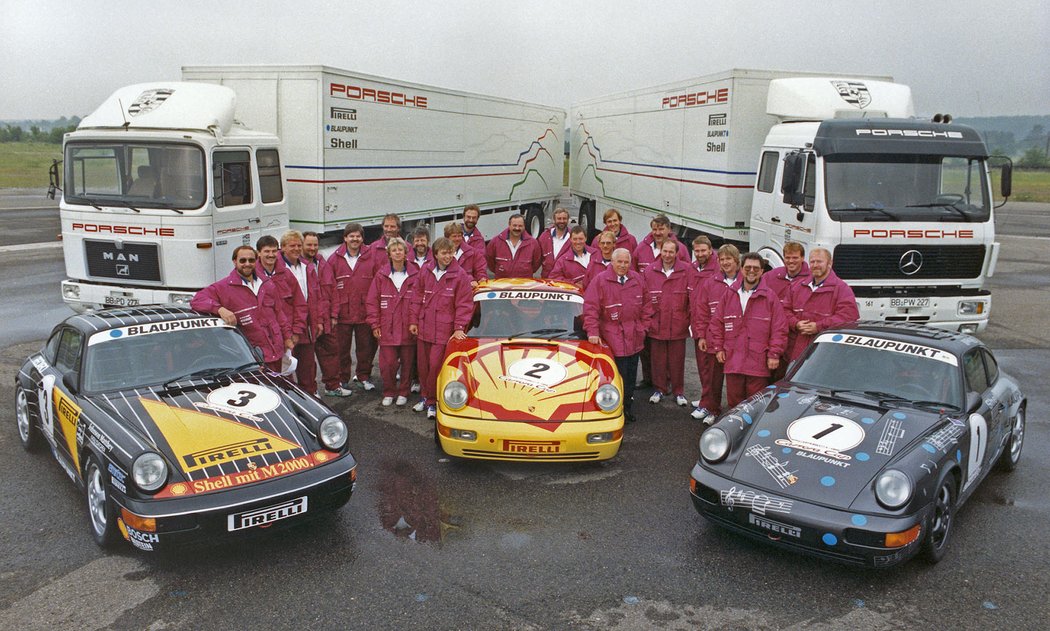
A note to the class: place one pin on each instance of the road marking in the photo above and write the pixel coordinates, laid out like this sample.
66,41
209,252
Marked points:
22,247
91,597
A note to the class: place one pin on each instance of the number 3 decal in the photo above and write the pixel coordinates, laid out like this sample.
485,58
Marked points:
245,399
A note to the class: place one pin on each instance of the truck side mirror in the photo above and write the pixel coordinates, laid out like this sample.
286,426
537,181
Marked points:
793,180
1006,175
52,174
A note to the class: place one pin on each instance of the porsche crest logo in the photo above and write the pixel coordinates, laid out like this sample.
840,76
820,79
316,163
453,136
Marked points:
853,92
149,101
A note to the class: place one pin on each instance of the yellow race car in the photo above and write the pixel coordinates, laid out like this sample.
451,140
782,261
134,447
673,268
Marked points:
526,384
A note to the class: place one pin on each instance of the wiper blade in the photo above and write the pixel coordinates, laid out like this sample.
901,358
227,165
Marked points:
965,215
209,373
877,209
538,332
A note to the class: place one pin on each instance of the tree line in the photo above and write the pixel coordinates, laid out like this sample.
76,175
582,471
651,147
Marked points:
49,132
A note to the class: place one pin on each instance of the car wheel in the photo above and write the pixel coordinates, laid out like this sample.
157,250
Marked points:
101,516
28,432
1012,454
938,535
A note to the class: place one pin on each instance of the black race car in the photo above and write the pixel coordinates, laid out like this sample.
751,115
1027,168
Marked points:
175,432
865,451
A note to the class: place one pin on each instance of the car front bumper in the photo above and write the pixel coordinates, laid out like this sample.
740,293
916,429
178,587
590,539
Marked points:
529,442
838,535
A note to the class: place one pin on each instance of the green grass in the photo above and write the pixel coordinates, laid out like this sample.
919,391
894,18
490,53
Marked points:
25,164
1029,186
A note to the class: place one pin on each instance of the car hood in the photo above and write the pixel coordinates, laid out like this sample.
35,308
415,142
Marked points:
223,428
531,380
822,449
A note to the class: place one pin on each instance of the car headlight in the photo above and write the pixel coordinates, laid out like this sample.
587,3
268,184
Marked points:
455,395
149,471
607,397
892,489
714,445
332,433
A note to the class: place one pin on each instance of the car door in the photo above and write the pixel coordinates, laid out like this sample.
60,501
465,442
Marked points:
980,421
999,394
62,410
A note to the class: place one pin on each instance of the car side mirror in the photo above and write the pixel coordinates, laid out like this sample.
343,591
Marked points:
71,380
973,402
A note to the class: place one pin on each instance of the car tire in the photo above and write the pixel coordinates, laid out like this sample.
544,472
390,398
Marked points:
942,521
534,223
28,432
1012,453
102,517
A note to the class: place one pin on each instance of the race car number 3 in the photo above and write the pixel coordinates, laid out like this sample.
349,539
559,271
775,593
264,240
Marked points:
244,398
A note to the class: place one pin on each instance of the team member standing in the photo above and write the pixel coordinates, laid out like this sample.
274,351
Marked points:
553,241
648,251
702,260
249,302
391,230
668,283
613,221
472,261
441,309
312,309
513,253
825,301
606,245
471,234
269,265
781,280
703,303
387,306
575,263
326,347
420,255
617,312
353,266
748,332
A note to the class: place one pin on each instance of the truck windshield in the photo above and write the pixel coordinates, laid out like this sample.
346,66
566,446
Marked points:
137,175
906,188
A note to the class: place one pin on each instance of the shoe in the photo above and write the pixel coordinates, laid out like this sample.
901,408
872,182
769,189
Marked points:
700,413
432,411
415,387
656,397
710,420
401,401
387,401
339,391
680,400
419,407
367,385
695,404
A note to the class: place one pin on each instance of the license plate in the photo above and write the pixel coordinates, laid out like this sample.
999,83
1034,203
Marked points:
263,516
121,301
909,303
775,526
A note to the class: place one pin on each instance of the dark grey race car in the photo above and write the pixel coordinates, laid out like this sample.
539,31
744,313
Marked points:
865,451
167,421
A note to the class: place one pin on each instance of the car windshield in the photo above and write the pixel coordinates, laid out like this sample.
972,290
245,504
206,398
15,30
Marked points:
153,354
536,314
881,368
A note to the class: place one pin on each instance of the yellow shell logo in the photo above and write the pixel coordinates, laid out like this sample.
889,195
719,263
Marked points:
321,457
178,489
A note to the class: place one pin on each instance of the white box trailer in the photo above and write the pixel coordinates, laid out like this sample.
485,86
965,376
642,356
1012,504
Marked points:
356,147
760,157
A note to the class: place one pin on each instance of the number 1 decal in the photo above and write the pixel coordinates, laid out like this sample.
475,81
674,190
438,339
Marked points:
834,426
978,444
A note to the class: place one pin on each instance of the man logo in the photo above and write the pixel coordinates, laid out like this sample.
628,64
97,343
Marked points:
123,270
853,92
149,101
910,262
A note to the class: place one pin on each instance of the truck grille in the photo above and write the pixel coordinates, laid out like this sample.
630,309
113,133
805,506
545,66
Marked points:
129,261
857,262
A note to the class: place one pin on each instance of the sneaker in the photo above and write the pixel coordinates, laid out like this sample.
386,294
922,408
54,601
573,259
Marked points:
401,401
339,391
681,400
432,411
710,420
368,385
419,407
700,413
387,401
695,404
415,387
656,397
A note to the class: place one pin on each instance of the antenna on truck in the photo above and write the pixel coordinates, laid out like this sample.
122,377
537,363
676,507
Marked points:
127,123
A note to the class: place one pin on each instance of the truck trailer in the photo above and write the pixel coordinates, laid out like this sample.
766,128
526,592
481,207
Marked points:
758,158
163,180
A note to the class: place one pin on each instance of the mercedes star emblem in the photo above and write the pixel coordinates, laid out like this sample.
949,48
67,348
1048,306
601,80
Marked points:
910,263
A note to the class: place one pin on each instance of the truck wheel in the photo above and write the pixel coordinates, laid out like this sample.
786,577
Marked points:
534,223
586,219
28,432
101,515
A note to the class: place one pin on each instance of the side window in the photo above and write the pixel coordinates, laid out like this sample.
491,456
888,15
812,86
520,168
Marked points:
767,172
990,367
232,178
810,190
976,380
50,351
270,187
69,350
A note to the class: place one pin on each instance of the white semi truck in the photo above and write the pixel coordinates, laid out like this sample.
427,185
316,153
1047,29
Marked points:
758,158
163,180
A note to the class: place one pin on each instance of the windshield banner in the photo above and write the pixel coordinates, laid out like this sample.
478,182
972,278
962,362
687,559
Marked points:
906,348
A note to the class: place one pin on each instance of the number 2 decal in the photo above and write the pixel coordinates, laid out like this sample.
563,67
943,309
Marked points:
536,371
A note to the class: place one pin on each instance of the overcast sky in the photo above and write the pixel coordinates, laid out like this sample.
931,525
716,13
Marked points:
967,57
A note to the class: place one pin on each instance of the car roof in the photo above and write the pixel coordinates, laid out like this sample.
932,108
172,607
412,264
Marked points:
526,284
949,341
106,319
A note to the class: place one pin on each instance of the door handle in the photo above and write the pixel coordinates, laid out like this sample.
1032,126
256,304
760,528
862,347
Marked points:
254,220
775,219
